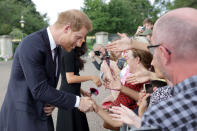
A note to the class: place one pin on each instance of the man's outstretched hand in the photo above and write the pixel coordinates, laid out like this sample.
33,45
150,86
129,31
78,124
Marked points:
86,104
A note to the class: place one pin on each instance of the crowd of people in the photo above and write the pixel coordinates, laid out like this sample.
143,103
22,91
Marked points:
152,77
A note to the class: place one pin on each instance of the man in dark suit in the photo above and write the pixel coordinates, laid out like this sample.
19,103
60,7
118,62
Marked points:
31,94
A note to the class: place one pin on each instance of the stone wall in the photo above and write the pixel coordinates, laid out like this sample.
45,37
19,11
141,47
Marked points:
6,50
101,38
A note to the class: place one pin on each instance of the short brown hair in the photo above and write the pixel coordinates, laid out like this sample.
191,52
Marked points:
145,57
76,18
149,21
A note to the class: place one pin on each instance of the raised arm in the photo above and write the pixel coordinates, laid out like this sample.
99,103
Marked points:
71,78
125,43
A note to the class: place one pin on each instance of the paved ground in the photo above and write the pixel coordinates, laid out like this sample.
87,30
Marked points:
95,123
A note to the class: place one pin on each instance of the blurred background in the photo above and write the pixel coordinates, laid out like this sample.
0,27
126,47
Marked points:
22,17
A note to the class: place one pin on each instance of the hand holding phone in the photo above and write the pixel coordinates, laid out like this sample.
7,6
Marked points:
149,88
97,53
107,59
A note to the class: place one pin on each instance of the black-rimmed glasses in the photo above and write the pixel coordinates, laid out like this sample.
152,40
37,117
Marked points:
150,47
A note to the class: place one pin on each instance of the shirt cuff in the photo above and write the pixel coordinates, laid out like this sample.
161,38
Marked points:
77,101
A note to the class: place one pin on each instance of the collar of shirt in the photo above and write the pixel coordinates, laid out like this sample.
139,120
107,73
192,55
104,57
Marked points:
160,94
186,84
51,40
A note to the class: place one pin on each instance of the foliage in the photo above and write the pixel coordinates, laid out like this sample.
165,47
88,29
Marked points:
167,5
118,15
182,3
5,29
14,46
11,11
97,12
126,15
16,33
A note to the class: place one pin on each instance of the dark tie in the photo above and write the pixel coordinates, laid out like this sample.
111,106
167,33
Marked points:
55,57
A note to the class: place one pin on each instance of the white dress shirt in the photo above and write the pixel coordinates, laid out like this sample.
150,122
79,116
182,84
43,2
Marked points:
53,46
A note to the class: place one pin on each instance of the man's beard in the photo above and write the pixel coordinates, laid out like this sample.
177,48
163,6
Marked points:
67,47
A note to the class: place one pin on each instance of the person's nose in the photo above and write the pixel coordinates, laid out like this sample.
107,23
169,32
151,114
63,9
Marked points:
153,61
79,43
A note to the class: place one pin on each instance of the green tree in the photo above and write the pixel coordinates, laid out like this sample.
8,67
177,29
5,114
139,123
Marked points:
118,15
33,20
5,29
166,5
97,12
11,11
8,16
161,6
25,2
127,15
182,3
16,33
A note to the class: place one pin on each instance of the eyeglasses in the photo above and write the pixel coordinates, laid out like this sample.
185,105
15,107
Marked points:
150,47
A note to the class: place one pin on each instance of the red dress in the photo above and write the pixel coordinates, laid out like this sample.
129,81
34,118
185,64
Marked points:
126,100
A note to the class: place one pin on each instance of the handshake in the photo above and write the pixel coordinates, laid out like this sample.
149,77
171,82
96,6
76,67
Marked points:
87,104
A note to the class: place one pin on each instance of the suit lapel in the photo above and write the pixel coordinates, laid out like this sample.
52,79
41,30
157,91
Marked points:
49,62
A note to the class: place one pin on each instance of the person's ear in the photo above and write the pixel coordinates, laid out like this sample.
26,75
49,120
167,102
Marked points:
138,59
165,55
67,28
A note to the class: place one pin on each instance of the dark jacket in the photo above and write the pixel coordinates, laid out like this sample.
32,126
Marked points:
32,84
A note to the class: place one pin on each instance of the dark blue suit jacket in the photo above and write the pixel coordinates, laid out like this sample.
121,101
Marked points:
32,84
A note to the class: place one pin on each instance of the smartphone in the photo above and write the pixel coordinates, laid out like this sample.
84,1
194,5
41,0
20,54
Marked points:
149,88
121,63
143,28
107,60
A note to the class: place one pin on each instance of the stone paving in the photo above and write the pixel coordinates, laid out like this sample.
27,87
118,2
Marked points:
95,122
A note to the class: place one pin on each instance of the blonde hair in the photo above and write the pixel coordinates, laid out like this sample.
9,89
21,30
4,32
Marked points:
76,18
